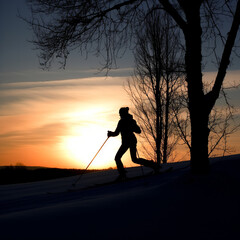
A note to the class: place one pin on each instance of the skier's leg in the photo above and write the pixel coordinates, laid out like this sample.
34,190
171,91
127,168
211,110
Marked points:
142,161
118,161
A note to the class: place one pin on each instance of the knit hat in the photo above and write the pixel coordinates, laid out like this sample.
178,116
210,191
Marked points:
123,111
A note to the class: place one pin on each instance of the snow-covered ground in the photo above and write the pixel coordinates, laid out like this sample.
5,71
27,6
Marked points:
174,205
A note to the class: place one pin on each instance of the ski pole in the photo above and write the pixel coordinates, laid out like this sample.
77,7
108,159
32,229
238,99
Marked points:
74,184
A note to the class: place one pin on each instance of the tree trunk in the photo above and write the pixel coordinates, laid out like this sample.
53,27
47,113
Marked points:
197,105
158,122
165,143
199,142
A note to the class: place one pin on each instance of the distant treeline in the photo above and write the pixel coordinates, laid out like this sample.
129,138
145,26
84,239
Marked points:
22,174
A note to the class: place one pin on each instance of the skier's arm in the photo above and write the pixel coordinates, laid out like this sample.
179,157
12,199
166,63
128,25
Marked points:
115,133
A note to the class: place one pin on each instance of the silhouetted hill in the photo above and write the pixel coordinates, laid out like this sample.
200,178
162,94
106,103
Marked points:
22,174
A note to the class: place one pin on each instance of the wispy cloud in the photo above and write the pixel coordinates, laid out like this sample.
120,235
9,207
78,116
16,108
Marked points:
28,96
59,75
43,135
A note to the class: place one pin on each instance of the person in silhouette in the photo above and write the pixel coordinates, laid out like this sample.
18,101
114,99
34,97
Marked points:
127,126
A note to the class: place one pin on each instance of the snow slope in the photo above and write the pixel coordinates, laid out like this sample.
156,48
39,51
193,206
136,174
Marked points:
174,205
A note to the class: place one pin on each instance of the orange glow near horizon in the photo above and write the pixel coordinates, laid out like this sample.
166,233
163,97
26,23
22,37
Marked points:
61,123
64,123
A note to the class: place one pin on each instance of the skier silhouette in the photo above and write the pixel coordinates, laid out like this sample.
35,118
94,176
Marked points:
127,126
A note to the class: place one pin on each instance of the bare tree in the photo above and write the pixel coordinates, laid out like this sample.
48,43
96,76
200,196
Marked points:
108,27
222,123
152,89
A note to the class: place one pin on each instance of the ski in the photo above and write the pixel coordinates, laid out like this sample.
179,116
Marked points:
127,179
165,170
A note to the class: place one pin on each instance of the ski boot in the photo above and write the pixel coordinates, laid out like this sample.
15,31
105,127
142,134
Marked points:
121,178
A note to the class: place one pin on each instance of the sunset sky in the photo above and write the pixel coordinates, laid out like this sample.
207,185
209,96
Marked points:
60,118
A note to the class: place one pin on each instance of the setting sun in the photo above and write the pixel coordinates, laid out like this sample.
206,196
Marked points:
81,148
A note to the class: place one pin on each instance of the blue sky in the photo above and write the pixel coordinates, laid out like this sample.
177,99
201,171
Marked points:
19,61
